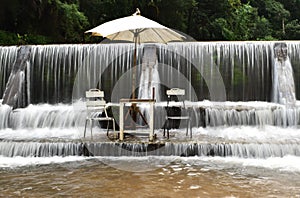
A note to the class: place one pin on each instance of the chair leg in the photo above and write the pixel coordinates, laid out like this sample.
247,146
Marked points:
107,128
165,128
86,120
187,127
168,133
191,132
114,128
91,122
168,125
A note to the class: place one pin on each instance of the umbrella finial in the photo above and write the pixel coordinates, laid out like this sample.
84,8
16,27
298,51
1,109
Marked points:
137,12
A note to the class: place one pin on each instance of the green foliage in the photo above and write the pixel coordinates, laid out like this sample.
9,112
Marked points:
293,30
277,13
65,21
7,38
262,30
37,39
72,21
276,10
39,22
100,11
241,23
176,14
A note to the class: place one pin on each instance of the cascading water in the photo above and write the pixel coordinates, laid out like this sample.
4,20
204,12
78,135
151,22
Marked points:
246,69
149,85
14,94
284,86
242,142
149,75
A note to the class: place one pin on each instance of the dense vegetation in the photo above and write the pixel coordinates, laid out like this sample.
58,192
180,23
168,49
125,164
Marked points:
64,21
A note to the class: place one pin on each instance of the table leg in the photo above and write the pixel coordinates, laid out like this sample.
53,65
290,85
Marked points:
121,121
151,124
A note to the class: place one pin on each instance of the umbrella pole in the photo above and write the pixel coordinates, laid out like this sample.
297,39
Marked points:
134,109
134,68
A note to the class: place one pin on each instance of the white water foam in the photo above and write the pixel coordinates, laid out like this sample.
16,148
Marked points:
284,86
267,133
230,104
5,110
40,133
286,163
13,162
45,115
257,105
149,75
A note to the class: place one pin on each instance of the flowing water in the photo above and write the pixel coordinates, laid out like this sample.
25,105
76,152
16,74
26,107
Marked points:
149,80
270,169
247,144
246,69
284,87
183,177
232,161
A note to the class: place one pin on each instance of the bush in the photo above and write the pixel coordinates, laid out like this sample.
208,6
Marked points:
7,38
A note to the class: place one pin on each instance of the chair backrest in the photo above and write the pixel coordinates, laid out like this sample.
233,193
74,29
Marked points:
95,99
94,93
175,92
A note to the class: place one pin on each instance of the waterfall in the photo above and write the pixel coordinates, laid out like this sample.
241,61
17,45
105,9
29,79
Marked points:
5,112
52,69
39,149
57,77
284,86
149,75
46,149
40,116
7,59
149,84
203,114
275,115
15,94
245,67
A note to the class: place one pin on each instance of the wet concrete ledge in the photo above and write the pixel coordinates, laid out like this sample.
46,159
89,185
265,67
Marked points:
116,149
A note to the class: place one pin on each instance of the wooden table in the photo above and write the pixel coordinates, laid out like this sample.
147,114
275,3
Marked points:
123,103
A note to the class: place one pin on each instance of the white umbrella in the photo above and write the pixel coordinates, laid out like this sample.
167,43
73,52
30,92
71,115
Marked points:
137,29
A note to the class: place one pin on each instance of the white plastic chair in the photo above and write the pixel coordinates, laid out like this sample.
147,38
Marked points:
95,105
179,93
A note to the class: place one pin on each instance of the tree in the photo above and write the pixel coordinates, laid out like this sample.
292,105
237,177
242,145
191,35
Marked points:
60,21
292,25
275,13
246,24
227,20
292,30
279,16
72,23
65,21
176,14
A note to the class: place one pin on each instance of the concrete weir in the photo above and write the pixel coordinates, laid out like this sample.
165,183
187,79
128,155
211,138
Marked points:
207,113
245,150
55,77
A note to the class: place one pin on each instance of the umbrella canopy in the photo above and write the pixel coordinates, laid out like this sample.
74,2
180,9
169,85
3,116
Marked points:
136,28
